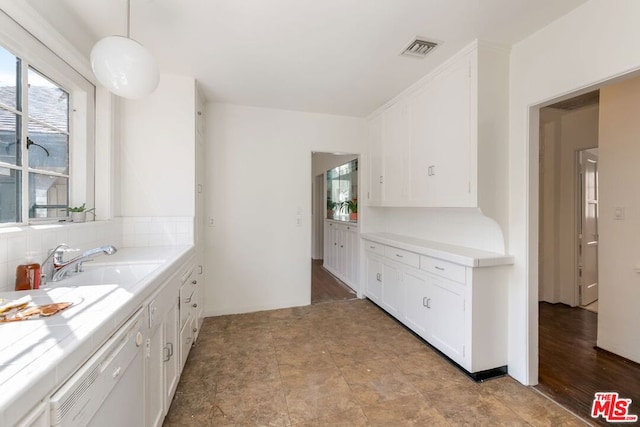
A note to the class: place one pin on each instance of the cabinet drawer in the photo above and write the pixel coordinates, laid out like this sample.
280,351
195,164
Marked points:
374,248
186,340
455,272
405,257
187,292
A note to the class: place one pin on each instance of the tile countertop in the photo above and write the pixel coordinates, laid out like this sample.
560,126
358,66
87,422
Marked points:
468,257
38,355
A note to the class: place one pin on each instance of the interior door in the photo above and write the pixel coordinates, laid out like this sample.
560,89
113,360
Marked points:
588,227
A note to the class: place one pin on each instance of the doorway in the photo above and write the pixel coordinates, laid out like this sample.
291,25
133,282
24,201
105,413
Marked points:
587,232
568,208
325,286
568,249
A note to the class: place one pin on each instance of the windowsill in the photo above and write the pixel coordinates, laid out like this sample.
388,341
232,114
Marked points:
41,225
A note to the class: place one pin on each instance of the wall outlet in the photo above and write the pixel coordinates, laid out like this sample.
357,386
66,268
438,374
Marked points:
618,212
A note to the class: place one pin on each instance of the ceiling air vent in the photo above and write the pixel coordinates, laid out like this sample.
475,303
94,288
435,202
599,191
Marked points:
419,48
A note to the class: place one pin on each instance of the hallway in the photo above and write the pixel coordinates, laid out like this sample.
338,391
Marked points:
325,287
572,369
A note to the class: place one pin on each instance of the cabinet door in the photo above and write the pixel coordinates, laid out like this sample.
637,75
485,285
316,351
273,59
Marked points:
395,146
154,377
417,304
448,306
327,244
341,255
38,417
451,89
374,193
423,117
392,292
171,353
374,279
353,255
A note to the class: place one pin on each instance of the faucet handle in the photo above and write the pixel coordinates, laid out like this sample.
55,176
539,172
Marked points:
79,265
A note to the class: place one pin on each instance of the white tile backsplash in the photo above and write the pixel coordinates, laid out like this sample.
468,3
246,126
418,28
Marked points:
15,242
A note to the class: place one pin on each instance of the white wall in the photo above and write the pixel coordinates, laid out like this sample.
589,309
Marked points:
258,165
157,151
619,249
573,131
593,43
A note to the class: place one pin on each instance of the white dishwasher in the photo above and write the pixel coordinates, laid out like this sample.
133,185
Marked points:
108,390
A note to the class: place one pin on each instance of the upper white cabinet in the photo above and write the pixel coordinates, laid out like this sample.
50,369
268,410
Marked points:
442,143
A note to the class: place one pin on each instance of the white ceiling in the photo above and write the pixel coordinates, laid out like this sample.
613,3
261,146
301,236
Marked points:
326,56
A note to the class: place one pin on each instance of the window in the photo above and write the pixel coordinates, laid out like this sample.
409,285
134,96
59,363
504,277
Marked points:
46,134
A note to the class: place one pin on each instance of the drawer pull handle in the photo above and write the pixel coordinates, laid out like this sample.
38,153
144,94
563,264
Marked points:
439,268
168,352
426,302
371,247
379,277
187,301
399,256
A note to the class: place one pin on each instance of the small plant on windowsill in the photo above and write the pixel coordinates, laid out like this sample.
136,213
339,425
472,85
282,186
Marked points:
352,207
331,206
79,213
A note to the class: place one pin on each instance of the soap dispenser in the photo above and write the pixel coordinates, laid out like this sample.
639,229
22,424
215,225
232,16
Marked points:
28,274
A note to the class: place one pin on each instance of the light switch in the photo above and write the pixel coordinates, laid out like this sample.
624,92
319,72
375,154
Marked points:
618,212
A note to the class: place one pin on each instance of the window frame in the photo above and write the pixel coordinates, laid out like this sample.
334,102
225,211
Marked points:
82,117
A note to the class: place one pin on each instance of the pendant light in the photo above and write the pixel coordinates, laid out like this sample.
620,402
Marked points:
124,66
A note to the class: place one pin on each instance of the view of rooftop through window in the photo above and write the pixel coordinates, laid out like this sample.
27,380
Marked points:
34,143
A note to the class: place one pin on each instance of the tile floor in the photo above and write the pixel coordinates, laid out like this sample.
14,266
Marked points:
339,364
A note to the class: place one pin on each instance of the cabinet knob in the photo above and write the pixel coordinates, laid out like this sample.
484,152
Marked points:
195,305
195,282
195,330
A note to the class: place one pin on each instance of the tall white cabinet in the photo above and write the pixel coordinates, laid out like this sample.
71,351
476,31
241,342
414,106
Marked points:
162,161
443,141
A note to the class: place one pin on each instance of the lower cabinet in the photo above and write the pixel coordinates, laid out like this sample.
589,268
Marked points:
162,367
459,310
341,251
174,314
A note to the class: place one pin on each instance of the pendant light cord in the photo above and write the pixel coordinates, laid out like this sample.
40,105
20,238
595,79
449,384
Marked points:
128,19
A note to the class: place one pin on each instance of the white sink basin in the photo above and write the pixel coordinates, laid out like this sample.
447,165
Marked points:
123,274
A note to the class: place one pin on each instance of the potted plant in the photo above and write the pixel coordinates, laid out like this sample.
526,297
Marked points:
352,207
79,213
331,206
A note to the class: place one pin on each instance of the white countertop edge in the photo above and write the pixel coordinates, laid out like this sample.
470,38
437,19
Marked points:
469,257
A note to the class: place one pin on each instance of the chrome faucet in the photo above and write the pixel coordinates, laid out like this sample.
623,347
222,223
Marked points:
59,268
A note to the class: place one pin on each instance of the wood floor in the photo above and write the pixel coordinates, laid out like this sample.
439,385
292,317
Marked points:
572,369
325,287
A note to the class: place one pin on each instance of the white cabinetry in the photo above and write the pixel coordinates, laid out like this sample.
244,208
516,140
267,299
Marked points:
341,251
442,143
172,320
38,417
162,367
190,312
459,309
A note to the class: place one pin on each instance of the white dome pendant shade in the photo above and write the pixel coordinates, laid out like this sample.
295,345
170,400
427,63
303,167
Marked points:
124,67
